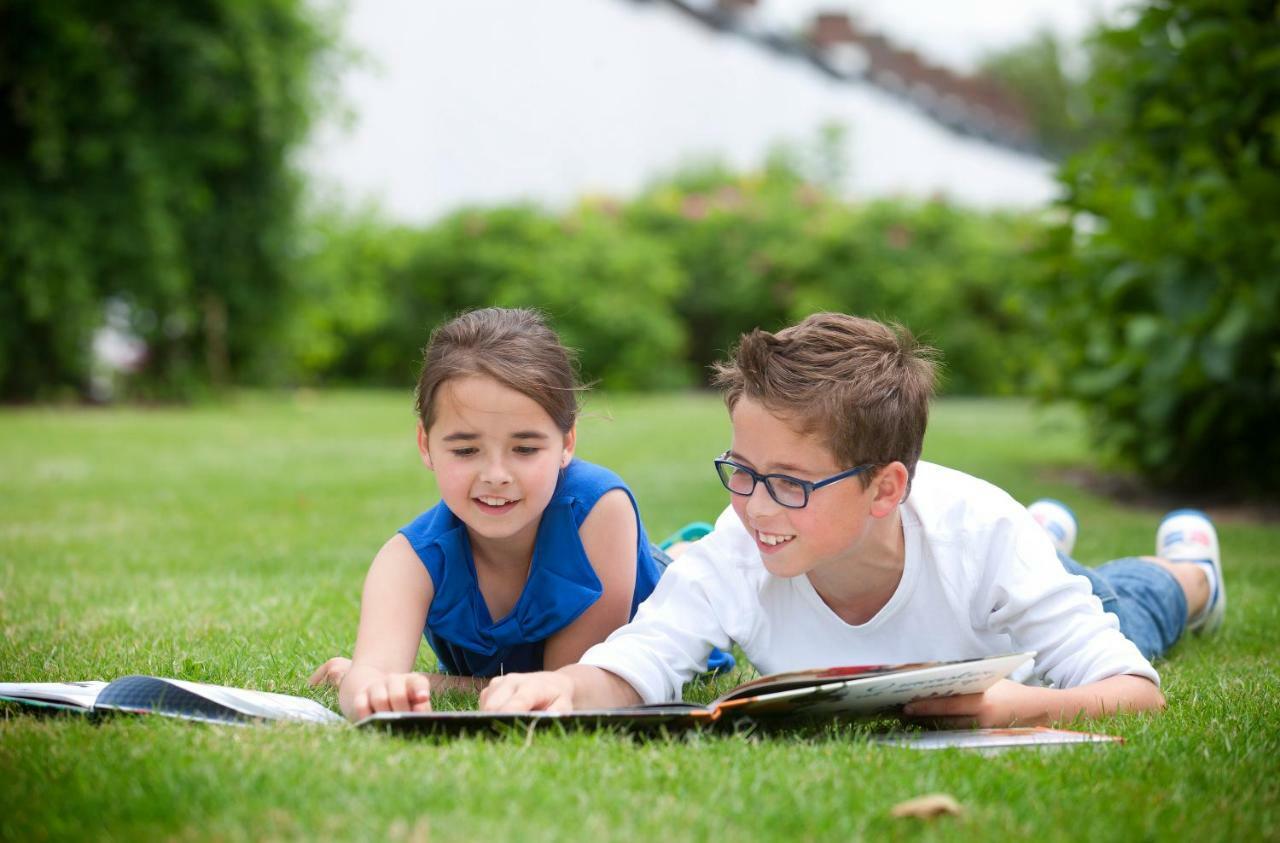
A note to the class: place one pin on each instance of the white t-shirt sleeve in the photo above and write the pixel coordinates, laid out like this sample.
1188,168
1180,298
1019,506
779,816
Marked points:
1028,595
697,605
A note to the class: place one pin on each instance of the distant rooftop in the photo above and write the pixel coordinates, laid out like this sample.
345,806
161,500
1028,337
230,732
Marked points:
970,104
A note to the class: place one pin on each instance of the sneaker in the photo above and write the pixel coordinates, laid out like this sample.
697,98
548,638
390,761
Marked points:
690,532
1187,535
1058,521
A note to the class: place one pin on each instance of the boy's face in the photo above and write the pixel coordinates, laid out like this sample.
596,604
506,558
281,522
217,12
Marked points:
830,529
497,456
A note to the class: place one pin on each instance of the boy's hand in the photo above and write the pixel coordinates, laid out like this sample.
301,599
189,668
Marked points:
1005,703
331,672
392,692
544,691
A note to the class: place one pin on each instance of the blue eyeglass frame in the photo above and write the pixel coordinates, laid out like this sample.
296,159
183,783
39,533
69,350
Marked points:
756,478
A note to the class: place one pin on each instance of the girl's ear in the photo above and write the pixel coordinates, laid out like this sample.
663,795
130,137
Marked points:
422,447
888,489
570,443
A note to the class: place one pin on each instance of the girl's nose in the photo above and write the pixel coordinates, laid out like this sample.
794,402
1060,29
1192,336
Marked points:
495,472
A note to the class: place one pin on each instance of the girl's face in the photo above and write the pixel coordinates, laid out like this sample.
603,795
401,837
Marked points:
497,456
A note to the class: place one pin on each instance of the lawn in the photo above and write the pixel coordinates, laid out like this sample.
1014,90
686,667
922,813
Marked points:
227,544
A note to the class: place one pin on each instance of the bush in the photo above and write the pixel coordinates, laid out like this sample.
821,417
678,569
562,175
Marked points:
1163,299
144,160
609,292
769,250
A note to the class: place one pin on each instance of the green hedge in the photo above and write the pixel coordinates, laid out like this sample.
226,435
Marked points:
1162,304
653,290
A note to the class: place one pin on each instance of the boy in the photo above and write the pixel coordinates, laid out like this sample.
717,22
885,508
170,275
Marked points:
840,548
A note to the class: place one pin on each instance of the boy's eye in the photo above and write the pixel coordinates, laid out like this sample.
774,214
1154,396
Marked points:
464,452
526,450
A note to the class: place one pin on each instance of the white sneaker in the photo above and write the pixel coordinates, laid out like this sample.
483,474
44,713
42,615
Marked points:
1058,521
1187,535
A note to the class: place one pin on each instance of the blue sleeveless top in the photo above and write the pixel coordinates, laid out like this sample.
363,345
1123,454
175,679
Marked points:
561,586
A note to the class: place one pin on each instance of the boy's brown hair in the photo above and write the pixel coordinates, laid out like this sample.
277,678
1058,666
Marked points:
861,385
513,346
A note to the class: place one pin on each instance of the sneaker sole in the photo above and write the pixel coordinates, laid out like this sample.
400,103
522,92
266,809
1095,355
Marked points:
1217,611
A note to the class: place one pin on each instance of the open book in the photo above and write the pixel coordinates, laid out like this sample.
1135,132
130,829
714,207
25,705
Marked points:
168,697
781,697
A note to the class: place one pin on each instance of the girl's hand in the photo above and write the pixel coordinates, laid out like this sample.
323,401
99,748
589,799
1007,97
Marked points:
392,692
331,672
544,691
1005,703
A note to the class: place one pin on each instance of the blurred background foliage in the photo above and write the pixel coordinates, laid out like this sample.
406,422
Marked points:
146,181
144,160
1161,294
651,291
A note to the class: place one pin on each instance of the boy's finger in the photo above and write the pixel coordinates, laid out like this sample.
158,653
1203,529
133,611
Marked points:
530,697
363,709
495,696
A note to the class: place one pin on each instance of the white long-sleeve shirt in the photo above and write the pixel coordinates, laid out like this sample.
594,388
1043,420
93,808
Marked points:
979,578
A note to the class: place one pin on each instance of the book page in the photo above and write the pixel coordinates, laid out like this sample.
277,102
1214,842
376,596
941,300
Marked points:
261,704
881,691
78,695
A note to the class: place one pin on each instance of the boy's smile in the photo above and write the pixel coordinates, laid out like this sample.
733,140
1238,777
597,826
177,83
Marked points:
842,537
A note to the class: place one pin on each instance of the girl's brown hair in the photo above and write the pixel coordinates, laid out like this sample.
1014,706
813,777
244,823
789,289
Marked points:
513,346
860,384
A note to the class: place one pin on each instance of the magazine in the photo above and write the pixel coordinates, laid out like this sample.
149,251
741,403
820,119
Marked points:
794,696
170,698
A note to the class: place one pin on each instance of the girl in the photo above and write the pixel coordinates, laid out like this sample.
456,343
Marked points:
530,557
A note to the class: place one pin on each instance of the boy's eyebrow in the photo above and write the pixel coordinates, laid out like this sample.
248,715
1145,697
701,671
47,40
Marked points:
461,437
528,434
781,466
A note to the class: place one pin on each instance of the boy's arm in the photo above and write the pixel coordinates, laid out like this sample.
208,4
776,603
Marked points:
1011,704
575,687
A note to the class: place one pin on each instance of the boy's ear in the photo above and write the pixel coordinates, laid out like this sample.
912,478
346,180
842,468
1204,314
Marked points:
570,443
422,447
888,489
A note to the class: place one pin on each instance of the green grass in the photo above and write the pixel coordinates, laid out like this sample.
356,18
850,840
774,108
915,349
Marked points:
228,544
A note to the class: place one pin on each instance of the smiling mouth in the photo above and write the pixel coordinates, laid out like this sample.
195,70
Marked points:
773,539
492,503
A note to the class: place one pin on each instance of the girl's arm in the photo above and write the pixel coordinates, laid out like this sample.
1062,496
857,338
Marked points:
393,611
1011,704
609,535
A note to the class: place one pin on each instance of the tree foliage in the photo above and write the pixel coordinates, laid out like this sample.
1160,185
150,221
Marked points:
144,159
1164,299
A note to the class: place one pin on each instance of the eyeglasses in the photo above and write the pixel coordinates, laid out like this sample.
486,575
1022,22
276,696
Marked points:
791,492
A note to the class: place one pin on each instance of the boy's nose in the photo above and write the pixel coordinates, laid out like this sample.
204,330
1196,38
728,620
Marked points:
760,502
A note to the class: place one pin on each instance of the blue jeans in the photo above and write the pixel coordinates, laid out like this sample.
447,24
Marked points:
1145,597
